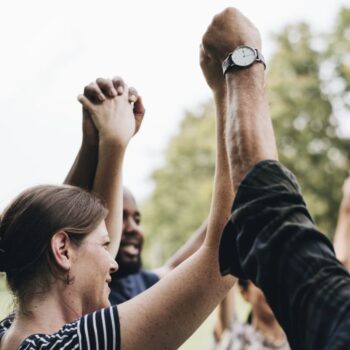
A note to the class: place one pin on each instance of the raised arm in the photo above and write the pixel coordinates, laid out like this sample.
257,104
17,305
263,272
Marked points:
116,121
271,238
249,138
225,313
165,315
83,170
342,233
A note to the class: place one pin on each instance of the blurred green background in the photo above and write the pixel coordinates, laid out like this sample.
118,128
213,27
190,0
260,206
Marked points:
309,91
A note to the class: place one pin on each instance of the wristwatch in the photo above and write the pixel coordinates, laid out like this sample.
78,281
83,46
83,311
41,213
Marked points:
242,57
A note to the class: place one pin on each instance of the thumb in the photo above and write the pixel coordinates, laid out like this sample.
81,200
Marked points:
87,105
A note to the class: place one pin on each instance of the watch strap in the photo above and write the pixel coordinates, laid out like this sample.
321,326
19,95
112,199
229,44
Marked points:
229,64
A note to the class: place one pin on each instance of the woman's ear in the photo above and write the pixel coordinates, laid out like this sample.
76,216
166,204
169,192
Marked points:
61,249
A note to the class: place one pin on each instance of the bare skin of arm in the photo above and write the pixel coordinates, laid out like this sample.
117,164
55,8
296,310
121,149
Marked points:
165,315
249,133
212,70
342,233
249,139
225,314
116,122
83,170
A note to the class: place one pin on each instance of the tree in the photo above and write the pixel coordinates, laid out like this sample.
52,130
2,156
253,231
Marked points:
306,125
181,198
309,91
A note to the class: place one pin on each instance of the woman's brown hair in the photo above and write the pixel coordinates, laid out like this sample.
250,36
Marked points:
27,226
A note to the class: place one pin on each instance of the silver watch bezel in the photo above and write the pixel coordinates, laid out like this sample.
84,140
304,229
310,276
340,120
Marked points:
239,48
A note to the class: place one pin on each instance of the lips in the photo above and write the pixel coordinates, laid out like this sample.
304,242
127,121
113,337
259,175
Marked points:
130,247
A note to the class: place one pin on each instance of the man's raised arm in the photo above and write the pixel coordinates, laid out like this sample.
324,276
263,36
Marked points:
249,133
271,238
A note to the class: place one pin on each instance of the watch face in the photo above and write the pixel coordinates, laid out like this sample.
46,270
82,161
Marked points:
243,56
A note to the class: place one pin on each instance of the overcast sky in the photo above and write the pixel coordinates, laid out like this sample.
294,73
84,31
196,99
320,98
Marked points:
50,50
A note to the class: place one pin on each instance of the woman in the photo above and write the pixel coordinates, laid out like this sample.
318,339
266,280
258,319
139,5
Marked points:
261,331
57,253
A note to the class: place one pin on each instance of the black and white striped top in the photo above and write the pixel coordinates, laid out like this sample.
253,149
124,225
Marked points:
97,331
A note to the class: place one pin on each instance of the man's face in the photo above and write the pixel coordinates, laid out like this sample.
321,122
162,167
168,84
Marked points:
129,254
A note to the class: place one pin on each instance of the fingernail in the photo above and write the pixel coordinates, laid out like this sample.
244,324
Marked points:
120,89
101,97
113,92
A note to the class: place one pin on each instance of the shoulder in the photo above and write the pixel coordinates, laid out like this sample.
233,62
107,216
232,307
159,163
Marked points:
5,324
66,338
99,329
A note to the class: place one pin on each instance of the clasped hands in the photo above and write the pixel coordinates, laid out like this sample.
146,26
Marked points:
112,112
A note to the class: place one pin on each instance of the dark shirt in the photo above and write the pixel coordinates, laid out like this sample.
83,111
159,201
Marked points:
125,288
272,239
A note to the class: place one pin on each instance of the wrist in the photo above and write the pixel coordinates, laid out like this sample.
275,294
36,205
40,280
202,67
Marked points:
219,91
110,142
254,74
89,141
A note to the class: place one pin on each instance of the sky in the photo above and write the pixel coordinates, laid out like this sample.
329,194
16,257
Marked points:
51,50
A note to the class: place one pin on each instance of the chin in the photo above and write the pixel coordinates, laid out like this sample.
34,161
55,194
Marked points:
104,303
127,266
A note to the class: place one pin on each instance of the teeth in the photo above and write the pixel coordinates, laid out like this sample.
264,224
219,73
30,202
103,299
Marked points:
131,249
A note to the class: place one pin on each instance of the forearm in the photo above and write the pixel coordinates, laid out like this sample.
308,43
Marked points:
342,235
225,314
170,311
165,315
82,172
250,136
223,190
108,184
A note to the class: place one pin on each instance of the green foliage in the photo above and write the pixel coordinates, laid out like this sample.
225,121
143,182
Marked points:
309,90
181,199
304,119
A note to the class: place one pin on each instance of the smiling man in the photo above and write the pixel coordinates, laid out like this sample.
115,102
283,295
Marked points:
131,279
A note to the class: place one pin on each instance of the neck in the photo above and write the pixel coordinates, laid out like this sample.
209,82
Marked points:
270,328
46,314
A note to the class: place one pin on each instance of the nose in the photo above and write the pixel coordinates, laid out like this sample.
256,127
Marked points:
114,266
131,225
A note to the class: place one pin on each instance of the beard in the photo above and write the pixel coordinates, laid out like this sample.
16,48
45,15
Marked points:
127,266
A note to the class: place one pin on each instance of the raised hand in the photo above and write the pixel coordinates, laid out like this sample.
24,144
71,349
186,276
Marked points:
228,30
109,103
212,72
